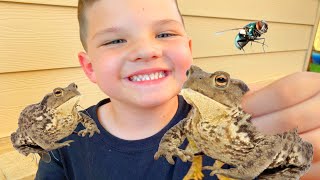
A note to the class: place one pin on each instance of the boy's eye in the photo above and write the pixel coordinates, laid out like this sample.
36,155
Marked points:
117,41
164,35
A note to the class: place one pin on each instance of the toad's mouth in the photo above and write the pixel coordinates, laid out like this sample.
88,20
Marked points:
148,76
68,106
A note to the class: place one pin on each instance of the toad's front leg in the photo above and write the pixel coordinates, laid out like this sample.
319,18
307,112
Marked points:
170,142
89,124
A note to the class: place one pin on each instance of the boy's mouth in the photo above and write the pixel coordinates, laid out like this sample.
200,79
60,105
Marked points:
148,76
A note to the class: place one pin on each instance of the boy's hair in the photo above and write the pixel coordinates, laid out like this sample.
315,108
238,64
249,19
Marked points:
83,23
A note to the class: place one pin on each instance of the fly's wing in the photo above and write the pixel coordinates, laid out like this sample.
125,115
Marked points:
221,32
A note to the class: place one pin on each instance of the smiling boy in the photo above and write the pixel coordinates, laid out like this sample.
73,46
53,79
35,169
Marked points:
138,57
137,52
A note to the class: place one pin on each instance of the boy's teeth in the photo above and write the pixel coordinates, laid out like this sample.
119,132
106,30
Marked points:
148,77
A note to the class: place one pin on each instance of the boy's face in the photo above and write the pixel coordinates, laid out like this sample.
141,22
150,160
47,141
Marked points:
137,50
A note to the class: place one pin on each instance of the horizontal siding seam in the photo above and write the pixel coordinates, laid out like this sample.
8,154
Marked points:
40,3
272,52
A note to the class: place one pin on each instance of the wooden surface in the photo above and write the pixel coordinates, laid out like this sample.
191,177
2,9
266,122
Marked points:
317,39
5,145
313,39
267,66
285,11
36,37
72,3
14,166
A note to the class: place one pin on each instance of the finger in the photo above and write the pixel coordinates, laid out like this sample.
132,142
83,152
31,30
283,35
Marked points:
157,155
305,116
212,173
188,155
183,158
283,93
170,159
313,138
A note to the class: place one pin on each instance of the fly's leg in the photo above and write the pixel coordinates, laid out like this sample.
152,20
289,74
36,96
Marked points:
263,43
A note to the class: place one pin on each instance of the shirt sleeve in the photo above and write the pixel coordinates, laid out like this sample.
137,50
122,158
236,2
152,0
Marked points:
52,170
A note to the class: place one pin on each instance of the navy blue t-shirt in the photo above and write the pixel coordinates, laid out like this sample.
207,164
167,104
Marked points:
104,156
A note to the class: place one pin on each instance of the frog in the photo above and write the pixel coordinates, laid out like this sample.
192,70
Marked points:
218,127
43,125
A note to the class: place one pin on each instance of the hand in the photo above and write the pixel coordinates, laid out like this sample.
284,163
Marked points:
293,101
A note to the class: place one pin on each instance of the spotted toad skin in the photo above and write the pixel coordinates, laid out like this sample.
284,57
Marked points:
218,127
42,125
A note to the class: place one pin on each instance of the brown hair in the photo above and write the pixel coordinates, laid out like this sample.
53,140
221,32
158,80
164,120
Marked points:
83,22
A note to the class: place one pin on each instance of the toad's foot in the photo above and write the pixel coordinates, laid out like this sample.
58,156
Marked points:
89,124
91,131
26,150
195,171
217,165
238,173
221,177
213,169
168,153
45,157
58,145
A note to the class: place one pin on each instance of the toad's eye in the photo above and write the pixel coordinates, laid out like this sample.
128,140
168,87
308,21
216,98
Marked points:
58,92
221,81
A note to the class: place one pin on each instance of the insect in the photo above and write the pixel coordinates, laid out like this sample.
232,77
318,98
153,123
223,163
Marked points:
249,33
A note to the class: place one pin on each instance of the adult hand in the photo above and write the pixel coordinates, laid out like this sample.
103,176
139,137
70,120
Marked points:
290,102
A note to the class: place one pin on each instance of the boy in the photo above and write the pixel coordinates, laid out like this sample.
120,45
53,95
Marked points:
137,52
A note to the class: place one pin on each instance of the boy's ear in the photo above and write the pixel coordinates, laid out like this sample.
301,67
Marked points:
190,45
86,65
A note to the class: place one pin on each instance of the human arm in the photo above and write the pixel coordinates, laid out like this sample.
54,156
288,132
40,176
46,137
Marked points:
292,101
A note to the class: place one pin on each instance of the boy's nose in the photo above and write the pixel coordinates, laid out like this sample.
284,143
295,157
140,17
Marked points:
145,51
